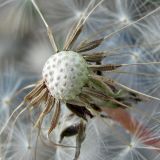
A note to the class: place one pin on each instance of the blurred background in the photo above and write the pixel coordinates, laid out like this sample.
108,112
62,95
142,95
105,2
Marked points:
25,47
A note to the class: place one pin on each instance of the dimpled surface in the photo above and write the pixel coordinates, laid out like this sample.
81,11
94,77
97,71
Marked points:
65,73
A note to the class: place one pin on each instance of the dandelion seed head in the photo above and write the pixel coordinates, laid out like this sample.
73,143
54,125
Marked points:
65,73
105,138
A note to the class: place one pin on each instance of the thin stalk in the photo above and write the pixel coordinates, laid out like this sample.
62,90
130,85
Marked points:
127,26
104,67
107,80
81,22
49,31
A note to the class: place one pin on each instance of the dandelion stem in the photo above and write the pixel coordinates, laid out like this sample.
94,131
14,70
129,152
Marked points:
49,31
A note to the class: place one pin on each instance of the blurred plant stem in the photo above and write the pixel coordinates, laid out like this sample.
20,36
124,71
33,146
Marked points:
134,127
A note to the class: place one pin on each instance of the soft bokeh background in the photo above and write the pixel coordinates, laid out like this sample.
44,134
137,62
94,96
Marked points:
24,48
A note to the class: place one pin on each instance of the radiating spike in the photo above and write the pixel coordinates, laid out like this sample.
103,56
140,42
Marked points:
39,97
84,98
38,88
100,85
103,97
81,22
55,116
48,107
112,82
72,38
49,104
94,57
106,67
49,31
89,46
75,102
88,100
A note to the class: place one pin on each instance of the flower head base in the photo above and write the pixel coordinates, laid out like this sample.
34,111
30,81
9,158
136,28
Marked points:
65,73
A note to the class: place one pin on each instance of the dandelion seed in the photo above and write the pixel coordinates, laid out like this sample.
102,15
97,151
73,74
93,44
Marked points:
150,32
23,144
73,76
142,144
9,82
19,16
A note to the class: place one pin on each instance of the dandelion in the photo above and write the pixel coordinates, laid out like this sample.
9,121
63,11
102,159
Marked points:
9,82
24,143
19,15
142,138
73,76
